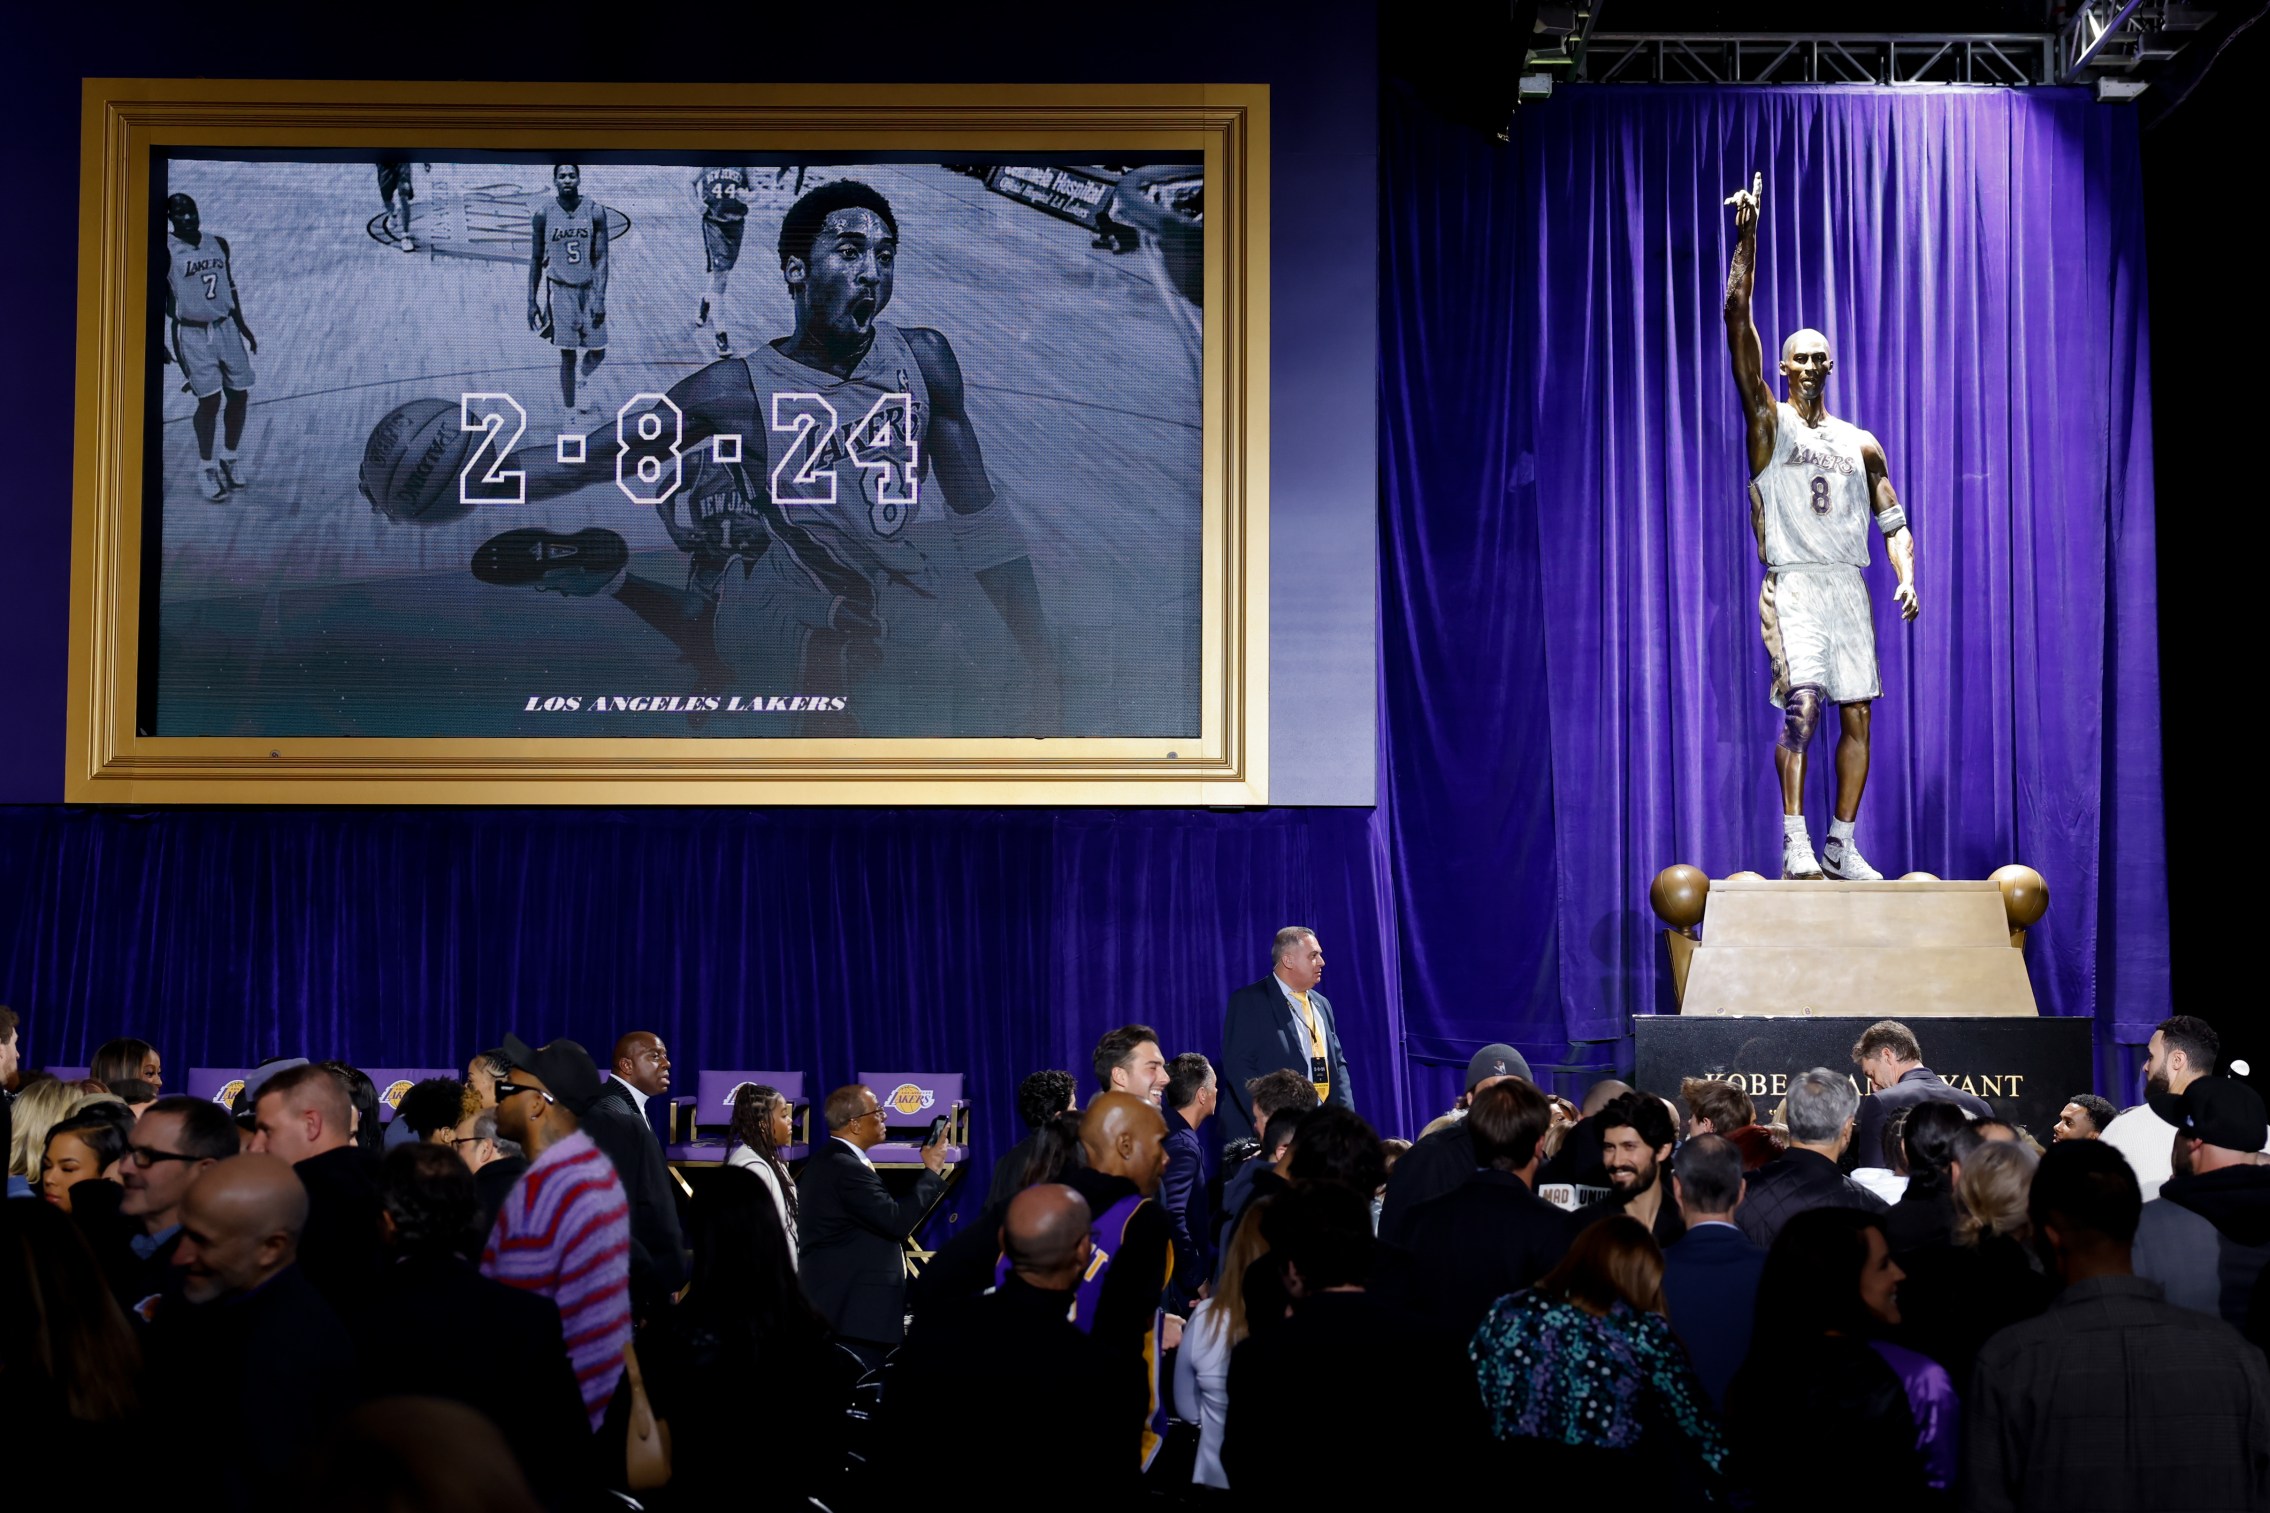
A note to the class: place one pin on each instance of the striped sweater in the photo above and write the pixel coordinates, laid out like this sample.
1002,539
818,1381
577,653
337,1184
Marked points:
565,1232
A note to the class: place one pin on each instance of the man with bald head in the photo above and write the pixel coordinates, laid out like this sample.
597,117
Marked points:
639,1074
1121,1302
302,1115
1017,1350
616,1118
248,1361
851,1233
1816,483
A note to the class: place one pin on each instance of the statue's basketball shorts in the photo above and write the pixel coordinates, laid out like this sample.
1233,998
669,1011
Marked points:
1819,629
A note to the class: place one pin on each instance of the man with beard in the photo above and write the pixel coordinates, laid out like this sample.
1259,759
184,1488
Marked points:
1636,1136
2181,1051
848,429
2206,1237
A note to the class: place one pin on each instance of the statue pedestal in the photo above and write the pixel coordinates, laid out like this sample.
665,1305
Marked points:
1889,950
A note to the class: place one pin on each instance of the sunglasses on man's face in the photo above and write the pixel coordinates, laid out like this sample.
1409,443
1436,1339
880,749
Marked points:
515,1089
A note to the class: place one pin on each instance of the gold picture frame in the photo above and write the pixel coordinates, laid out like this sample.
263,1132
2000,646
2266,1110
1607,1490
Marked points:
126,122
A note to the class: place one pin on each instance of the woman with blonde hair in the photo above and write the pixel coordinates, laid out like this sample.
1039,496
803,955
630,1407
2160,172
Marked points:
1987,1277
43,1104
1586,1362
1202,1366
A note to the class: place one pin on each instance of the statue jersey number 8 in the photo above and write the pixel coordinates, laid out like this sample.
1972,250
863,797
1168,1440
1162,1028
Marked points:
1813,498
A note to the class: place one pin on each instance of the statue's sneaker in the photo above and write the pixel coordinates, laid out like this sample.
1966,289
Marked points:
1797,859
1842,860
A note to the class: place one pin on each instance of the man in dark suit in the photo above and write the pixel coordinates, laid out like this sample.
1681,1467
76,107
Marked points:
639,1079
610,1112
1016,1350
1889,1056
176,1141
248,1363
1821,1108
1710,1274
1473,1245
303,1116
1191,1094
1443,1161
431,1302
1282,1021
851,1232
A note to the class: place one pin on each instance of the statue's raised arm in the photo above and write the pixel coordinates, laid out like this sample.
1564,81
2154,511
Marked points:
1758,404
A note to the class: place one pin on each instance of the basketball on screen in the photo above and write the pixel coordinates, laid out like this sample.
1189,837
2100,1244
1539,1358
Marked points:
412,461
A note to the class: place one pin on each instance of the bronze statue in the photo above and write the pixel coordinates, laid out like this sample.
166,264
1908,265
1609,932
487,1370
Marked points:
1814,482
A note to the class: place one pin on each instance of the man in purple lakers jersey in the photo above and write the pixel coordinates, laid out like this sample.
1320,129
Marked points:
848,430
567,282
209,339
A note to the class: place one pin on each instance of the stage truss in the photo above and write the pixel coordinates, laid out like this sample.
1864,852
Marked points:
2116,47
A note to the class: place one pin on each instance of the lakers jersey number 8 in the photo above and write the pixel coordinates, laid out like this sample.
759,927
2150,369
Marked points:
1813,495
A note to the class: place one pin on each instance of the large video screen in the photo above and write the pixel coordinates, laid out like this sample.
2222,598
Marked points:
655,448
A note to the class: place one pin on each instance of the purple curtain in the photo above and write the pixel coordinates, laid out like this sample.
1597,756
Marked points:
992,943
1571,575
1572,687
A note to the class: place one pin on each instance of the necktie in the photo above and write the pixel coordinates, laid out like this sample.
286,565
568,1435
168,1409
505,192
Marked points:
1317,1062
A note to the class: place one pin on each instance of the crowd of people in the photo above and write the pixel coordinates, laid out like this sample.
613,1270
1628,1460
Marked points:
506,1299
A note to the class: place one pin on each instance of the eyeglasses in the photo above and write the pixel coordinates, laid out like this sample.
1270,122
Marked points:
144,1157
514,1089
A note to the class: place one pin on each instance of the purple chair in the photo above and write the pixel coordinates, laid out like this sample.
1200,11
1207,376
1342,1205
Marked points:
710,1114
394,1081
910,1101
219,1083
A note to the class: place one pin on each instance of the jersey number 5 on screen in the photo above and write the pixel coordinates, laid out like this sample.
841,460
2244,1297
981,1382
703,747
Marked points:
650,465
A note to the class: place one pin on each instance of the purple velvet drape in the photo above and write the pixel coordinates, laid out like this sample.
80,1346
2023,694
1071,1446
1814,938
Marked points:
1573,690
1571,566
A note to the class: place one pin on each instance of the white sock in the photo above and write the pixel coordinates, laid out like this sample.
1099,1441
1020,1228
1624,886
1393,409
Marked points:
1793,825
228,454
1841,830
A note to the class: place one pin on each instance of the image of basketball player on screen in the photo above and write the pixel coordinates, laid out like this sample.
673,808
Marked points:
397,191
1815,483
208,337
567,283
724,195
848,430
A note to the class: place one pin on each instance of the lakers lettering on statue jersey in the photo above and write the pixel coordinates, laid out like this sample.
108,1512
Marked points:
1812,505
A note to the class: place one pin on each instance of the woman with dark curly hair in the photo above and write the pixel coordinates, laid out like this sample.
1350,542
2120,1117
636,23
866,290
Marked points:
763,1122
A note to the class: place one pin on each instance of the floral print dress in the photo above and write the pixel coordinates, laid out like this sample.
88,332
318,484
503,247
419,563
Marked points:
1620,1381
